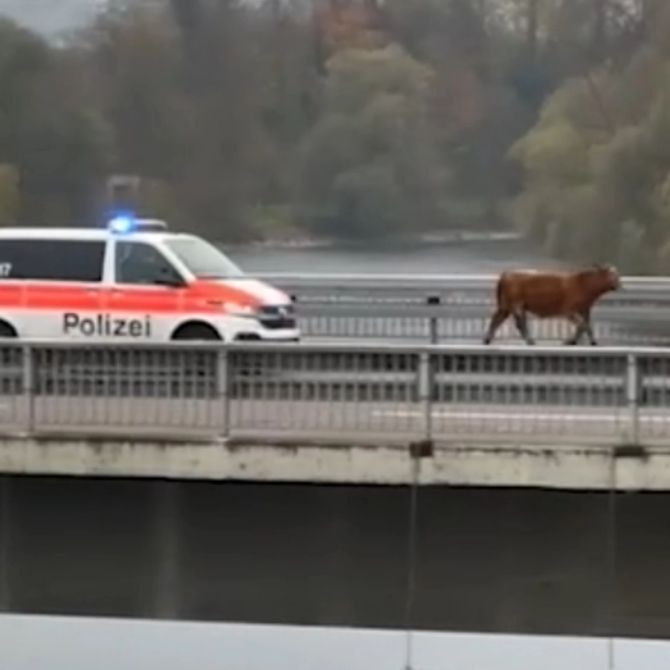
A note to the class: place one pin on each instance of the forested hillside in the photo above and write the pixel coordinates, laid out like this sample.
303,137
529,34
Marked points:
353,119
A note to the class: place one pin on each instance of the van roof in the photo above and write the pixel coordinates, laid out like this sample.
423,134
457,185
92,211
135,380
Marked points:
101,234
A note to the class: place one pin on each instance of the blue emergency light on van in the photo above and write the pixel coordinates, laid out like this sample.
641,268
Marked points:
123,224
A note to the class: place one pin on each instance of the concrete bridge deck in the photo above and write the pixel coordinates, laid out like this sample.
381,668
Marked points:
524,464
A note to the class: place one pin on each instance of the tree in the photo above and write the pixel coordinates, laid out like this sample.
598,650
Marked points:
351,117
55,141
368,165
596,184
184,100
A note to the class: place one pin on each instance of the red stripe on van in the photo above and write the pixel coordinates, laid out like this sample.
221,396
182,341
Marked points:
200,297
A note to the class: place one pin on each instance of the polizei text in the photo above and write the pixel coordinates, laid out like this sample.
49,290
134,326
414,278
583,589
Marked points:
105,325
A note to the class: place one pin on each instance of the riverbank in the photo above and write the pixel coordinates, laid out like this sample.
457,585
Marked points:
442,237
464,254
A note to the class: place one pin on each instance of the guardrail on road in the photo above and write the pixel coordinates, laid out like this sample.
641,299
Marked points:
337,393
457,308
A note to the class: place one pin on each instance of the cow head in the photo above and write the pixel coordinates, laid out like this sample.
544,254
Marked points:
609,276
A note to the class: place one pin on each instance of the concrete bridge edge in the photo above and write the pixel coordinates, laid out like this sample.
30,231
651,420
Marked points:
455,464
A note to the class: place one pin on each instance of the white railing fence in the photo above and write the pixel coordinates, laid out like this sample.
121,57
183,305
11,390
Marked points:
337,393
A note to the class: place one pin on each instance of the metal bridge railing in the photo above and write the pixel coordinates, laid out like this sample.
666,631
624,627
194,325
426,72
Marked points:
457,308
337,393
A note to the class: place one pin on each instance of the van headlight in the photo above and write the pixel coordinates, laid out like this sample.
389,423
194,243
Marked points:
246,311
277,311
264,313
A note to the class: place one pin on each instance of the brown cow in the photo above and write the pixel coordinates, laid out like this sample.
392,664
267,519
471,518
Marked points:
551,294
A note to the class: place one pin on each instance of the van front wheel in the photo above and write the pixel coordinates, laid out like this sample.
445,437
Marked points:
6,330
196,331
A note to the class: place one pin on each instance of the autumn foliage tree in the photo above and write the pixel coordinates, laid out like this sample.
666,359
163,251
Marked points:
351,119
596,165
369,167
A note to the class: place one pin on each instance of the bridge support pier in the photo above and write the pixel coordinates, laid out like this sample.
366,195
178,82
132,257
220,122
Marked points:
167,529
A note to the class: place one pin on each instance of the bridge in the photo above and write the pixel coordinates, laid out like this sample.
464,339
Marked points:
339,412
382,482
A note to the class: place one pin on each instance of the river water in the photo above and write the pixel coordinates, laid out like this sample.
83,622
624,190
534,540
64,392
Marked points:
480,257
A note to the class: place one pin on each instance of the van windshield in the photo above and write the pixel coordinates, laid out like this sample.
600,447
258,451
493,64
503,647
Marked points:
203,259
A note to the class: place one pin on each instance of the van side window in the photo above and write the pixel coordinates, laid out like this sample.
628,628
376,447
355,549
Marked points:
140,263
52,260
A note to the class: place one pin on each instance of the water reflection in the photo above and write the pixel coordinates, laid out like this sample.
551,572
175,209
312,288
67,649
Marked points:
55,643
411,258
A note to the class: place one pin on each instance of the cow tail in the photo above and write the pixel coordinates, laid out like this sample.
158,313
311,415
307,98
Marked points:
503,293
499,290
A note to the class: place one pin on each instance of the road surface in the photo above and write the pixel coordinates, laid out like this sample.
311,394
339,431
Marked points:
330,422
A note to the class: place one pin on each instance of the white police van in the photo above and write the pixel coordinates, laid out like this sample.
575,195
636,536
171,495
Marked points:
133,281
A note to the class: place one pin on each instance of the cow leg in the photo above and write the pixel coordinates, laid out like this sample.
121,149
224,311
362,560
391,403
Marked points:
521,321
588,329
496,321
580,325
